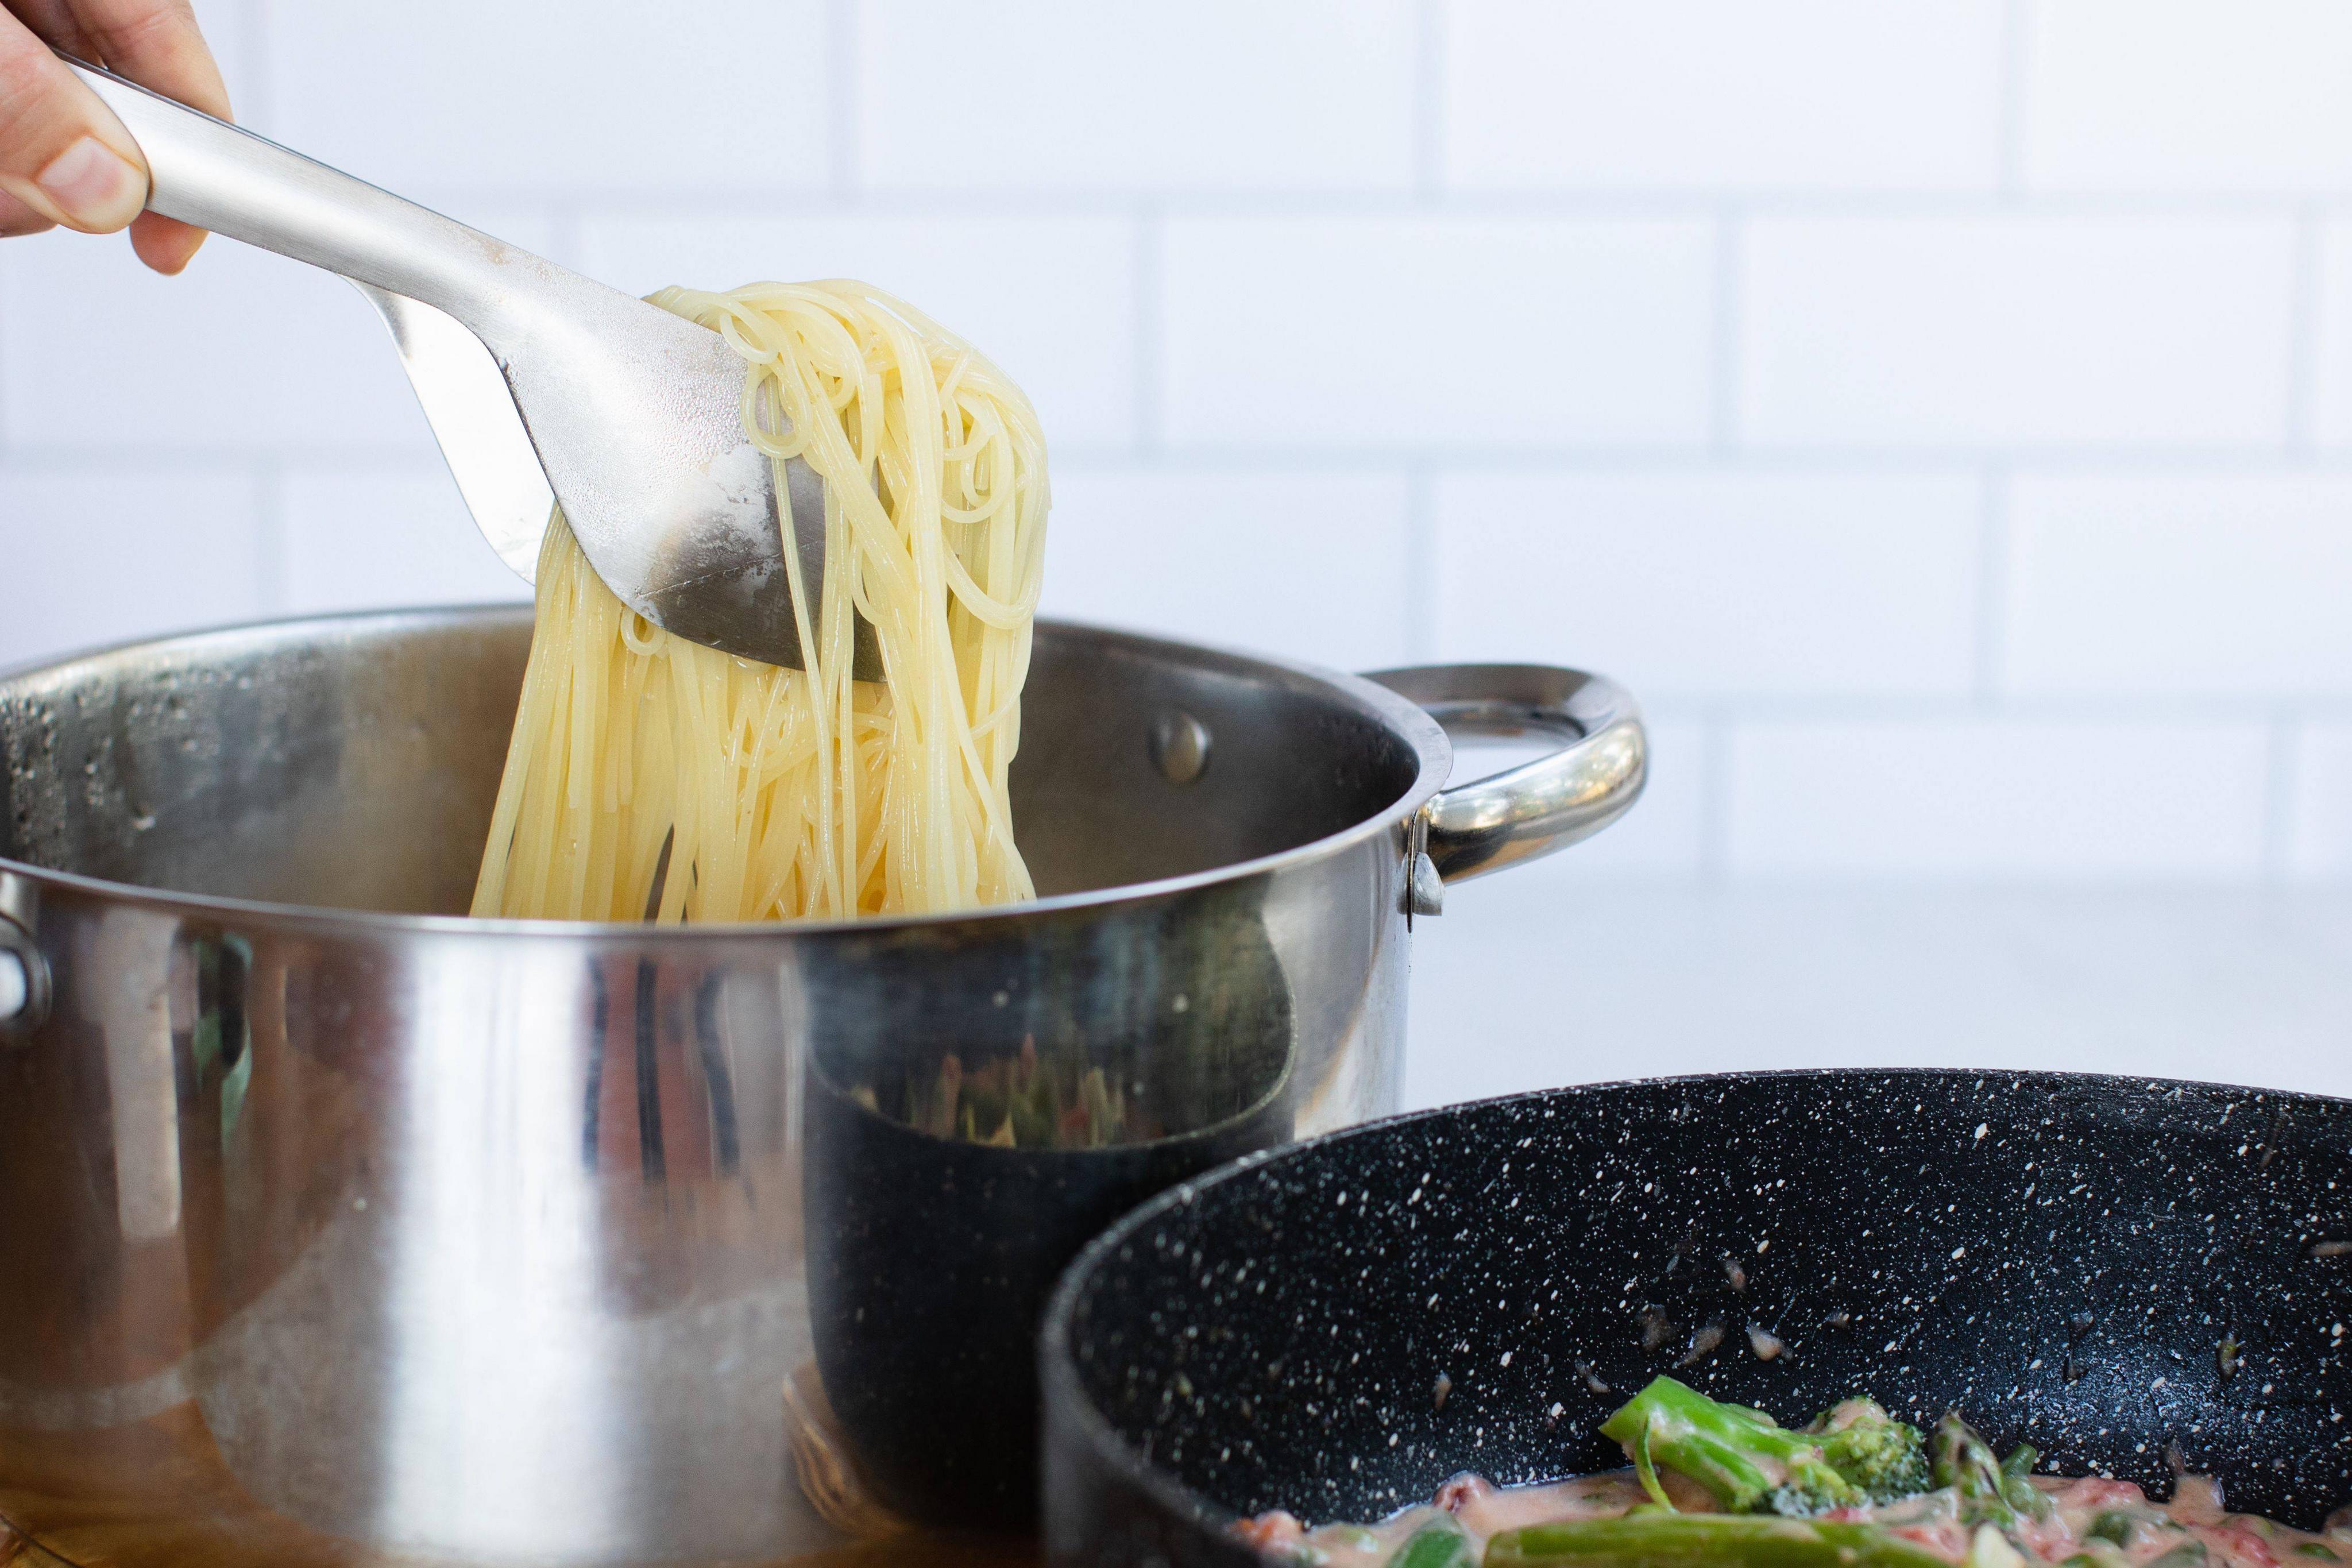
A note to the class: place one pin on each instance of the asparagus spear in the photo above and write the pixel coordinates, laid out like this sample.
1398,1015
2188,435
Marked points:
1654,1538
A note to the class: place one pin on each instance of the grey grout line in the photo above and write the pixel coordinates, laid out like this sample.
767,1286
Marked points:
842,104
1658,462
270,536
2278,817
1871,710
2302,335
1696,204
1429,101
147,461
1992,584
1150,325
1946,709
2015,65
1722,415
1693,457
1420,628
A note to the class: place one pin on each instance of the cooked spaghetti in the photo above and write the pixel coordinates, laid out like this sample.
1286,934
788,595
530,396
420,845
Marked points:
650,777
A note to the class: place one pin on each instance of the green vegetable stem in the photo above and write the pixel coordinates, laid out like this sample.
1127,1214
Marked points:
1661,1539
1439,1544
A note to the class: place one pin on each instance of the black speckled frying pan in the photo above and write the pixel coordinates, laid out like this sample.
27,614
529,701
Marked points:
2103,1267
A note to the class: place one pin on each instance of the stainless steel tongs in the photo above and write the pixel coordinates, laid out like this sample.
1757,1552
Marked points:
535,380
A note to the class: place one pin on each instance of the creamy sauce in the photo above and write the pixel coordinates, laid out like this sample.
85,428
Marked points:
2194,1519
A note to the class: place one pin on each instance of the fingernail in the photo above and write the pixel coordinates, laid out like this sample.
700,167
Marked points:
93,186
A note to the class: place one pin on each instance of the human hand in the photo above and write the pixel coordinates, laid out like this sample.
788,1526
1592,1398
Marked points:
63,157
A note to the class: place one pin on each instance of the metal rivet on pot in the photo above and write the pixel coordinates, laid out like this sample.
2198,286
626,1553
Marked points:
15,986
23,976
1179,746
24,984
1425,888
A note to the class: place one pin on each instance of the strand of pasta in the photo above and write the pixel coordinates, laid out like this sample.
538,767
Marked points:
784,793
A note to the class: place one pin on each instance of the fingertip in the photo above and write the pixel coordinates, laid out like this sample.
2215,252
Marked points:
93,186
166,245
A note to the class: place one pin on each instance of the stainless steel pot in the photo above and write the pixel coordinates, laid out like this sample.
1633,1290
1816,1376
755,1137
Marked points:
336,1235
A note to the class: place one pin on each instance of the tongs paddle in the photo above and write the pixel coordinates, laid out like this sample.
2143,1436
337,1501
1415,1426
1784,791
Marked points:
537,382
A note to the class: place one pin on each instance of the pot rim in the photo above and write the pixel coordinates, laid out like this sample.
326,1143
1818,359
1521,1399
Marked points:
1401,717
1061,1389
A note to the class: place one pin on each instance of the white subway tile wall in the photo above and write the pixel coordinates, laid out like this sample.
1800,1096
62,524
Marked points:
2002,331
1211,97
587,98
349,537
1127,545
2173,95
2181,583
102,555
2321,847
1739,583
1390,334
1940,415
2065,798
1712,95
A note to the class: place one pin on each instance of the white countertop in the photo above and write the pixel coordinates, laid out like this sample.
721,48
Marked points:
1547,975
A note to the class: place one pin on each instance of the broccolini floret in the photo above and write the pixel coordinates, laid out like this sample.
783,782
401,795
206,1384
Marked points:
1991,1492
1852,1455
1879,1455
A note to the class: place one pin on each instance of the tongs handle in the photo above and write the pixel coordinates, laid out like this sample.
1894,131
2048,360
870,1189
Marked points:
221,177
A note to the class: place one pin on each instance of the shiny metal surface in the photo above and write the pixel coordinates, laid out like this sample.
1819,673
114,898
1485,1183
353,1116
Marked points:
1543,805
473,417
347,1237
636,415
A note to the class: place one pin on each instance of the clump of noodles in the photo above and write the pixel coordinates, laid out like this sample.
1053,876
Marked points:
747,792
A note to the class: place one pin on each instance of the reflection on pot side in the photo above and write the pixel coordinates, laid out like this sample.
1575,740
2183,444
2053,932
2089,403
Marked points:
339,1238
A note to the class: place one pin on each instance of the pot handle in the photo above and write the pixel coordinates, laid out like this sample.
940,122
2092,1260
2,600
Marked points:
1539,806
